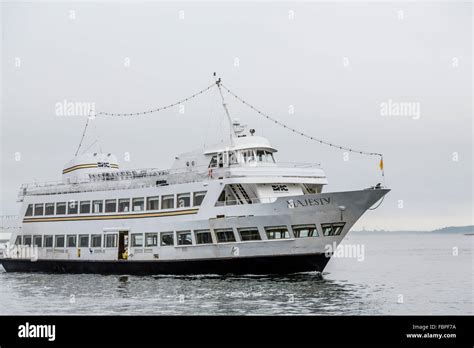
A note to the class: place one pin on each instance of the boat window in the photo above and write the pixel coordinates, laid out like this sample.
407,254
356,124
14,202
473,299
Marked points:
138,204
261,156
327,229
85,207
48,241
184,200
71,241
124,205
49,209
167,202
249,156
27,240
167,238
39,209
111,206
333,229
269,156
96,241
29,210
151,239
203,237
233,157
137,240
213,162
184,238
337,228
301,231
72,207
59,242
18,240
225,235
111,240
198,198
97,206
152,203
83,241
37,241
249,234
61,208
277,232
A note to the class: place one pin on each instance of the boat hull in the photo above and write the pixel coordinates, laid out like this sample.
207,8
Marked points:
258,265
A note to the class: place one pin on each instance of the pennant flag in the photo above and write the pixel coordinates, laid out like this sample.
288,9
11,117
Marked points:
381,163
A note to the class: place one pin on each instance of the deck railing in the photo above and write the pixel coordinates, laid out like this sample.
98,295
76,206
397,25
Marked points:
137,177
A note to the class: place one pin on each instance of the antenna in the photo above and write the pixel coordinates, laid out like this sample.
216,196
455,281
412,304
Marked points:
224,105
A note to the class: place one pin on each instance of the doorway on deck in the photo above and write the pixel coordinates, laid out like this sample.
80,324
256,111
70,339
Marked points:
123,245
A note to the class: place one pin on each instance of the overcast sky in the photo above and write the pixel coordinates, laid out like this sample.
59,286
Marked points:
337,64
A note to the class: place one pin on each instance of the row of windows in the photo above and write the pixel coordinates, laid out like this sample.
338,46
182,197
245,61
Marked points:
182,200
182,237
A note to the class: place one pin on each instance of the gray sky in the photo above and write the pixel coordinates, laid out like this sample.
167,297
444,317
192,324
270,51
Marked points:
334,62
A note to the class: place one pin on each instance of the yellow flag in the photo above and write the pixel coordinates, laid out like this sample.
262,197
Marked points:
381,164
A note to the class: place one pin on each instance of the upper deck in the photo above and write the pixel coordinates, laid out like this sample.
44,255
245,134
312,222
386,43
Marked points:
245,158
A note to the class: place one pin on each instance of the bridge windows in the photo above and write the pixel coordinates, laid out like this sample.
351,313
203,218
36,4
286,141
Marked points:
97,206
184,200
138,204
59,241
85,207
167,202
277,232
111,206
167,238
39,209
124,205
333,229
225,235
247,234
61,208
151,239
72,207
203,236
265,156
302,231
71,241
184,238
152,203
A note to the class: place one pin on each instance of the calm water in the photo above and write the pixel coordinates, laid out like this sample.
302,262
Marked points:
416,269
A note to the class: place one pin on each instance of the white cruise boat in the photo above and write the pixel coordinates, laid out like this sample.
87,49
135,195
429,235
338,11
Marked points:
231,209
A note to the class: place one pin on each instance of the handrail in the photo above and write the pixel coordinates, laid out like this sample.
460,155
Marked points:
61,187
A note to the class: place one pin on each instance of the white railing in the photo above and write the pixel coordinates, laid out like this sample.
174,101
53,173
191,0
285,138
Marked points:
185,175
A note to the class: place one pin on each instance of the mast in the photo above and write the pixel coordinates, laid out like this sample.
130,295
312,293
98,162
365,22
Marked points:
224,105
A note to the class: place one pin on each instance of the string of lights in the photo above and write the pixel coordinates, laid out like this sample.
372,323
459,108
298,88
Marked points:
159,108
298,131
